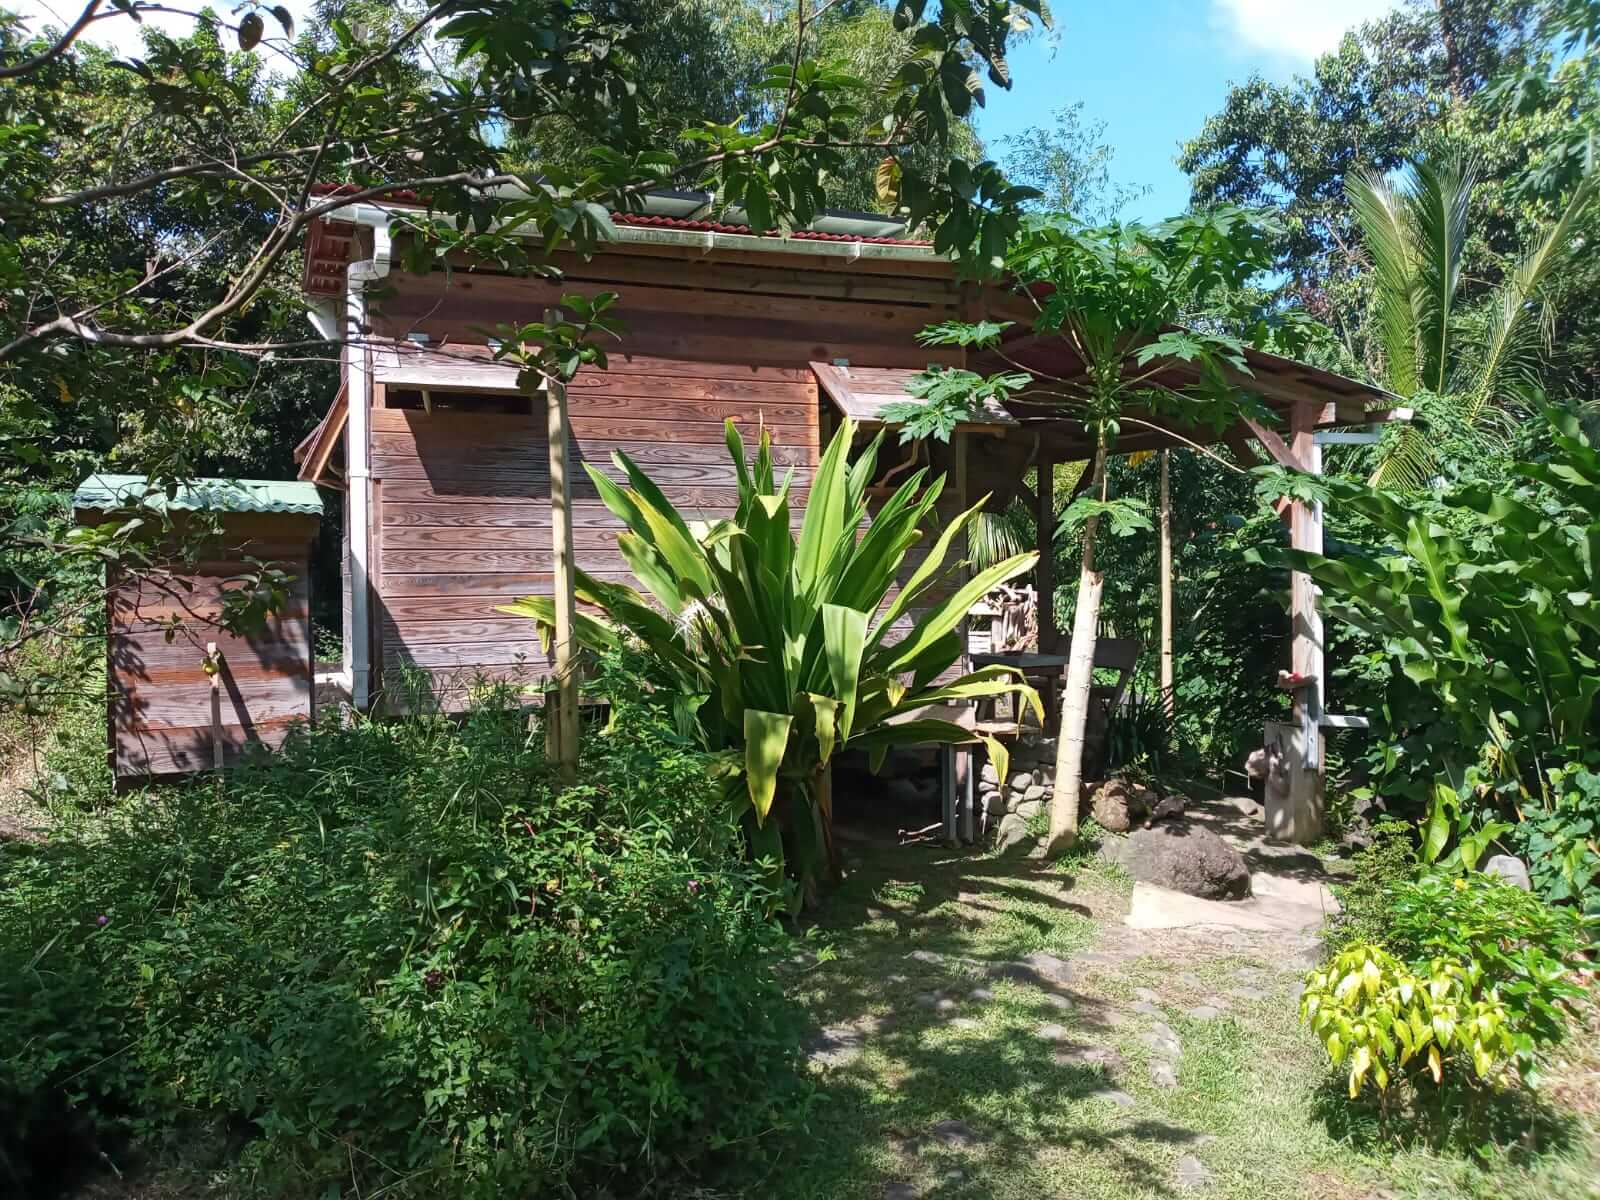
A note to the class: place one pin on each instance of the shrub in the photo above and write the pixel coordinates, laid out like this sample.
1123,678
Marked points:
1476,976
1365,898
397,959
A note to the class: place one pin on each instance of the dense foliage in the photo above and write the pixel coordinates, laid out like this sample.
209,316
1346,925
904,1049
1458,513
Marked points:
779,647
1481,604
391,957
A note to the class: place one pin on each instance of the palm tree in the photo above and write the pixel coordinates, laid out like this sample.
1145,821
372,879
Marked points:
1415,235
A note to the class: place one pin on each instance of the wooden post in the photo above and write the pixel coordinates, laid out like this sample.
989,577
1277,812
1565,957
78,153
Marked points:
1302,821
1167,698
1045,572
565,715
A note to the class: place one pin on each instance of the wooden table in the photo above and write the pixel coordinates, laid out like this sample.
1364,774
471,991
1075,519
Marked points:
1049,668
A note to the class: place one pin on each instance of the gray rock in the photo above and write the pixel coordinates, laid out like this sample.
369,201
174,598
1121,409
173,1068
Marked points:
1192,1174
1148,995
836,1046
1021,781
1145,1008
1057,1000
1163,1076
1035,968
1052,1032
1107,1059
1163,1040
956,1134
1168,808
1013,833
989,775
1188,858
1513,870
994,804
1029,809
900,1191
963,1023
1036,792
1205,1012
1114,1096
981,995
1254,995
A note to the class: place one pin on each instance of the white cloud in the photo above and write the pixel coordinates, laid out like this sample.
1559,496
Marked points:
124,35
1293,30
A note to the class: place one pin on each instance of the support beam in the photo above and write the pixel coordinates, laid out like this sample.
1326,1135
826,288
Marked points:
1299,818
1045,520
563,717
1280,451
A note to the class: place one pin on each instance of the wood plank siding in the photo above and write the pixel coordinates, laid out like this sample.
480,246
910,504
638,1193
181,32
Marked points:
461,497
159,627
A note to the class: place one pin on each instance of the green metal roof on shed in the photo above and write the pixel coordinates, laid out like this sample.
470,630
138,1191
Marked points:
105,492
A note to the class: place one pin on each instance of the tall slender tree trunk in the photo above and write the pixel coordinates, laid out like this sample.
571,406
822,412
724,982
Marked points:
1065,802
1168,701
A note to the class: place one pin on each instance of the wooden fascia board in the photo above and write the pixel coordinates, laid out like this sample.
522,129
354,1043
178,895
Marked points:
325,438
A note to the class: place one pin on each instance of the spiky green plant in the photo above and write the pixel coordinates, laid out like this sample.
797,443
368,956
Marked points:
778,644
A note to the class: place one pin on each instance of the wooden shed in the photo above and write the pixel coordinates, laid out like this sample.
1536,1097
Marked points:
168,712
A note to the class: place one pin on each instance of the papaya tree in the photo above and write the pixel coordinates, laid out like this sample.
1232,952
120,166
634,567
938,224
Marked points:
1116,295
775,641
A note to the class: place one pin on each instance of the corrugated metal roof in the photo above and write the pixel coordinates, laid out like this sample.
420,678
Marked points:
105,492
696,225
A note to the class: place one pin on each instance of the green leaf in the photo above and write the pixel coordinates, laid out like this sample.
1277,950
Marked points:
844,633
766,738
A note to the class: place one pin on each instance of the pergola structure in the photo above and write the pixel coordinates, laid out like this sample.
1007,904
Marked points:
1312,407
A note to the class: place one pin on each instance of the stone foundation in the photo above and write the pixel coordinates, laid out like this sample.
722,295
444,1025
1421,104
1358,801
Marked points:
1005,807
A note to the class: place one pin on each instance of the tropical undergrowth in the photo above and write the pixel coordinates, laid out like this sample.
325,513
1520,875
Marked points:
392,957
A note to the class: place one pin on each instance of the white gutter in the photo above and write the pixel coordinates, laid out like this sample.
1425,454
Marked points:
358,446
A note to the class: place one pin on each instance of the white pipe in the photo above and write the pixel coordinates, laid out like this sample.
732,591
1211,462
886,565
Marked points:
357,454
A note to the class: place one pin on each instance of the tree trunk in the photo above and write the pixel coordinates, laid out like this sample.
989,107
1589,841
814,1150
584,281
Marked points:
1167,698
1064,804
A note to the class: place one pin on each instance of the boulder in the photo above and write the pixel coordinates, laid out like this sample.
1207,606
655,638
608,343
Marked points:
1512,870
1021,781
1012,834
1029,809
1188,858
994,804
1036,792
1119,805
989,775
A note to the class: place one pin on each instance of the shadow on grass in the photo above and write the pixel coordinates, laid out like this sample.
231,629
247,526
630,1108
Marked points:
968,1076
1512,1124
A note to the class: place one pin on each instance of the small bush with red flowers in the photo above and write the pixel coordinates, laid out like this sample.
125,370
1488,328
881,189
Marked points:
391,958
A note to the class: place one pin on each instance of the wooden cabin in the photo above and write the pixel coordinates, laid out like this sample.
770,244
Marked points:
183,693
444,462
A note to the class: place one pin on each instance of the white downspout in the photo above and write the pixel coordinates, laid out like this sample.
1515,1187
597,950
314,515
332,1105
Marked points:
358,457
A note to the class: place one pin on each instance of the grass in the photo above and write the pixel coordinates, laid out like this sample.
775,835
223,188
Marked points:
1252,1102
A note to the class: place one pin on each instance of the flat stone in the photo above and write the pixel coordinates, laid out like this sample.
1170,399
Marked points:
1147,995
1052,1032
1036,792
836,1046
1104,1057
926,999
956,1134
1029,809
964,1023
1163,1076
989,775
1248,993
1057,1000
900,1191
1021,781
1114,1096
874,1023
1192,1174
1205,1012
1145,1008
1036,968
1162,1040
981,994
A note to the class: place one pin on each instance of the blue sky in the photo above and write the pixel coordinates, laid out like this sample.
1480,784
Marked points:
1153,70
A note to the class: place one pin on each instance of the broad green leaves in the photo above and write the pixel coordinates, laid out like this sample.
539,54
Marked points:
789,637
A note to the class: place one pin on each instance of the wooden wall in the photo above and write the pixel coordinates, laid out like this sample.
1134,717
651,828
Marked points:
159,693
461,501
